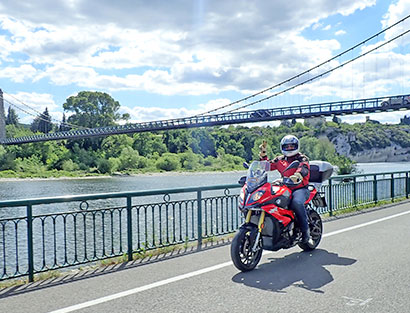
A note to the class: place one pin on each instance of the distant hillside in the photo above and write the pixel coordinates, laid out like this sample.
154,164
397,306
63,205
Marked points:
370,141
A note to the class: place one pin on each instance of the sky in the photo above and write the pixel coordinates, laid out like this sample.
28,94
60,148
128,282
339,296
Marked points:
171,59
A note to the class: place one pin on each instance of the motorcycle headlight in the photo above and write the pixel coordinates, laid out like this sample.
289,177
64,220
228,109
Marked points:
242,195
257,195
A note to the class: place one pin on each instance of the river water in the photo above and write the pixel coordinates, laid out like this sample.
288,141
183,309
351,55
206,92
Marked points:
36,188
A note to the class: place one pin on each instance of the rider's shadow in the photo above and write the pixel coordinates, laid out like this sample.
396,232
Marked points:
299,269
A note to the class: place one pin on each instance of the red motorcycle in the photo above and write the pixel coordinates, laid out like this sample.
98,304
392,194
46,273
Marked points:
269,223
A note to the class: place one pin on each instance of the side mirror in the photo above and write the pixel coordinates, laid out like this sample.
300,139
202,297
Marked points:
245,165
242,180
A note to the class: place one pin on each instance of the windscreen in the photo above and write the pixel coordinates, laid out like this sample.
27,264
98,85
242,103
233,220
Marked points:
257,174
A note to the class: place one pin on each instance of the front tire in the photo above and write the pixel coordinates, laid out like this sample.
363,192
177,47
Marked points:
316,228
242,255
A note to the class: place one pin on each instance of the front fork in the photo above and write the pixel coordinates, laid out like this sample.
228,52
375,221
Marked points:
260,226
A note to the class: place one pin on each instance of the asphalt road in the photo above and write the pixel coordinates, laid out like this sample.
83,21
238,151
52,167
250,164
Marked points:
361,265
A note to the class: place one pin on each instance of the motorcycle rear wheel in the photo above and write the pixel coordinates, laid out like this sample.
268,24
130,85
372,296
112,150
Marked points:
242,255
316,228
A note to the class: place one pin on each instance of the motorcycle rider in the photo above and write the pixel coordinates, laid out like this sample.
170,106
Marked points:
289,146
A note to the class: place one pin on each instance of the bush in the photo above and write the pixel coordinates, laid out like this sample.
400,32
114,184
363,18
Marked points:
69,166
104,166
115,164
31,165
168,162
129,158
209,161
190,160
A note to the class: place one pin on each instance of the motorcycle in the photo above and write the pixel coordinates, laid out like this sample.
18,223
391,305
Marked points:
269,223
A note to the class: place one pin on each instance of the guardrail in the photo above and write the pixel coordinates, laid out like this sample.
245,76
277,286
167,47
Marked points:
39,235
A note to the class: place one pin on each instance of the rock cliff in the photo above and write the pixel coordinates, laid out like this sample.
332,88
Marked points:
351,144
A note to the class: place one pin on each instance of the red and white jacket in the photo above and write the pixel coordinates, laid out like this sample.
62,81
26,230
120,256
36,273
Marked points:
280,163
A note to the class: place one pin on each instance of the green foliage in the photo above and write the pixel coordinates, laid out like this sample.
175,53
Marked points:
216,148
42,123
317,149
30,166
344,164
148,143
12,117
190,160
168,162
69,166
92,109
129,159
7,160
104,166
114,145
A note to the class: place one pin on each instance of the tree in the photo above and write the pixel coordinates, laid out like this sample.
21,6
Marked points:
12,118
93,109
64,126
148,143
42,123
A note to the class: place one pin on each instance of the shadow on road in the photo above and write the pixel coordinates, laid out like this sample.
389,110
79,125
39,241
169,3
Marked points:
302,269
104,270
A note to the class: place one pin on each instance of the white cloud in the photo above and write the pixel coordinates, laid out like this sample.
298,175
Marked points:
396,12
29,105
144,114
18,74
190,49
340,32
327,27
317,25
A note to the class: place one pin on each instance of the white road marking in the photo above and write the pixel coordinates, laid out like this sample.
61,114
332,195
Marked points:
199,272
336,232
354,302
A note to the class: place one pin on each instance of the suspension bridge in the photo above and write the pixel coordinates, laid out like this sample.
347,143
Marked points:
370,105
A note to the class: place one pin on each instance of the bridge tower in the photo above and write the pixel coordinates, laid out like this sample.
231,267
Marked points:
2,117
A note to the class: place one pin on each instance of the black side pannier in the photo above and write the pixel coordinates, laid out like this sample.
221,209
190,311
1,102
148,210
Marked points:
319,200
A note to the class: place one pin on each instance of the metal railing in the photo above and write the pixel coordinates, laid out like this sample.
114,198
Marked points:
39,235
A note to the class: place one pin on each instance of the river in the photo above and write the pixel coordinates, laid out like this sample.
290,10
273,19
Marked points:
35,188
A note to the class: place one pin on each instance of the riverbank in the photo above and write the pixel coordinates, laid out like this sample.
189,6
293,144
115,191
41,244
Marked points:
114,175
7,176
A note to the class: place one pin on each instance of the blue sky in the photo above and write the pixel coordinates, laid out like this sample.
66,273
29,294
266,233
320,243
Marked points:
179,58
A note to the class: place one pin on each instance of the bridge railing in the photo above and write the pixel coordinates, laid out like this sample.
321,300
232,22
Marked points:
39,235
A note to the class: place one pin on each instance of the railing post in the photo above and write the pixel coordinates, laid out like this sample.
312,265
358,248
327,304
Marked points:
30,243
375,188
392,187
199,205
330,198
354,191
129,228
407,185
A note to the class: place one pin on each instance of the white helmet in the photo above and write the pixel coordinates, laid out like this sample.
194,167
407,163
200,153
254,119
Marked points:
289,145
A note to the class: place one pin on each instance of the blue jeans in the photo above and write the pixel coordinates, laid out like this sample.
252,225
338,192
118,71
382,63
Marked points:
297,204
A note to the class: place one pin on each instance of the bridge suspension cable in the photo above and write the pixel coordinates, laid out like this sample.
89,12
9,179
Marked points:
40,115
301,74
320,75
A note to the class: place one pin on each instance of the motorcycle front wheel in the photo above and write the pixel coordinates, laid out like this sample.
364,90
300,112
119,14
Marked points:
242,255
